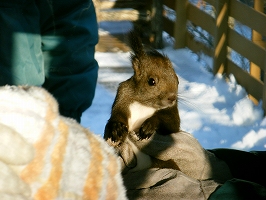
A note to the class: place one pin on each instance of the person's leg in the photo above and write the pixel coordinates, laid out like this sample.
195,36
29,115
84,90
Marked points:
69,36
249,166
21,61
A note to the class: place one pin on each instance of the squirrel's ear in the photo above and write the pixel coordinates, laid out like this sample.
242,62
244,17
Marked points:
138,51
136,44
136,65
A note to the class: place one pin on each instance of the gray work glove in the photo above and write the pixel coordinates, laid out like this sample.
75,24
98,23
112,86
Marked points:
176,166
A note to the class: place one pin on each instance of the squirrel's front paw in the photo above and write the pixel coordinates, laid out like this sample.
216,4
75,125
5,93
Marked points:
116,131
147,129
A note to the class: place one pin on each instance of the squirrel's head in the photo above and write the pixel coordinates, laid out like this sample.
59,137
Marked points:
155,81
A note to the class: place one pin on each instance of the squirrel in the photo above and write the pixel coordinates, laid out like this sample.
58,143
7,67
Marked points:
146,103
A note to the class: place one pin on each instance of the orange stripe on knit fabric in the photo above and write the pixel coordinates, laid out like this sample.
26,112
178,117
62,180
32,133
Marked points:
33,169
94,181
112,186
50,189
31,172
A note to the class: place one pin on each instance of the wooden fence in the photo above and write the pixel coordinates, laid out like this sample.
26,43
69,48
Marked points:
224,38
217,25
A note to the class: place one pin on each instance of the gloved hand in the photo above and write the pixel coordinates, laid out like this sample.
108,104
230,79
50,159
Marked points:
170,166
46,156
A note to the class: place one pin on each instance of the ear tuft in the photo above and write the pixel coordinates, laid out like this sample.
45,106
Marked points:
136,44
138,51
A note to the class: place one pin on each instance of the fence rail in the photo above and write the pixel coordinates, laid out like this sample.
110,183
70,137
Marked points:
224,39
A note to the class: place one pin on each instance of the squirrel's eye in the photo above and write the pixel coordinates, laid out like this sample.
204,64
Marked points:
151,82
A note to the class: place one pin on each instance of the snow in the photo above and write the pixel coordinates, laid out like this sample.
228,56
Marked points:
216,111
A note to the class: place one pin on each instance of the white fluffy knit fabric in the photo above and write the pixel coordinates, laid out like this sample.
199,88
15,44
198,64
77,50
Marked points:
46,156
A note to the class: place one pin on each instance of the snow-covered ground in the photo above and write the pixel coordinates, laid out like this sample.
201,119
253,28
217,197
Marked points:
217,112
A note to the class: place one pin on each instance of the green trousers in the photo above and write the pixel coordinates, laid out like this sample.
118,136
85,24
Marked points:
51,43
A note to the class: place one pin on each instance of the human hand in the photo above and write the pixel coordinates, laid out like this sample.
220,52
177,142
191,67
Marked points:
184,151
179,168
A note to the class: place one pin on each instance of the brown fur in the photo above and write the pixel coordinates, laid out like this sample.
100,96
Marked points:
154,85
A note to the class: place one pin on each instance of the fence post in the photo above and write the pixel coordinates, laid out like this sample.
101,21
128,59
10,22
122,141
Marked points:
220,36
157,24
256,38
180,28
264,89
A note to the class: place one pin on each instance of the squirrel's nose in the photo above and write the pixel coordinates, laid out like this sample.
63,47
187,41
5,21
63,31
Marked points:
172,97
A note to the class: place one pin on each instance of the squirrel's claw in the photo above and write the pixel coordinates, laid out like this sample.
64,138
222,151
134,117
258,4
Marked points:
116,131
146,130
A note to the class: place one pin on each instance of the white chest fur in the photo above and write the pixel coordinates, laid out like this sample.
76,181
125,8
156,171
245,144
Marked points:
138,114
